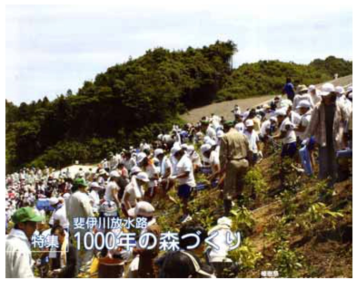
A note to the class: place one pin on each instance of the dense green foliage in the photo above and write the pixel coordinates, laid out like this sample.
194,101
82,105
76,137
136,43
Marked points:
130,101
268,77
140,98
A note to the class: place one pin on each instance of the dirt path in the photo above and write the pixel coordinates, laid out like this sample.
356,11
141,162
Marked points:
224,108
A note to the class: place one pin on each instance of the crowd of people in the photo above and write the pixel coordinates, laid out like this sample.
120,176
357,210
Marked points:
314,128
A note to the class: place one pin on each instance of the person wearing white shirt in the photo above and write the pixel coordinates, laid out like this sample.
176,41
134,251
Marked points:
304,109
134,192
94,196
18,258
59,215
314,94
253,139
185,178
112,188
166,172
287,134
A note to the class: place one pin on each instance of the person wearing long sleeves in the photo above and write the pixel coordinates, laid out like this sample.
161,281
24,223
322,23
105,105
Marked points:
19,262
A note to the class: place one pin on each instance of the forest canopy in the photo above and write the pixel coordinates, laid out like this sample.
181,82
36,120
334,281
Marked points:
140,98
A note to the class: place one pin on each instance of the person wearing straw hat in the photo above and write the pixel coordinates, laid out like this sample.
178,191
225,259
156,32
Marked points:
18,259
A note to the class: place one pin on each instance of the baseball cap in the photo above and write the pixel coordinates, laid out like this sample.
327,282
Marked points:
80,182
249,123
26,214
224,221
229,123
109,209
340,90
327,88
114,173
219,133
140,157
135,170
143,177
311,88
143,209
95,185
158,151
102,171
205,147
303,104
280,112
53,201
175,149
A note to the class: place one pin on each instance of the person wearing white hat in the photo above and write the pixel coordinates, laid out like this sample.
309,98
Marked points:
304,107
253,139
239,126
343,100
143,265
327,125
128,160
166,183
147,165
102,177
142,159
195,157
112,188
59,216
134,191
267,128
287,134
94,196
219,256
208,129
184,175
314,94
205,160
135,170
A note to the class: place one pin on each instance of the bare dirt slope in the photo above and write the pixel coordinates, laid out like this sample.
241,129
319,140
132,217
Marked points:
224,108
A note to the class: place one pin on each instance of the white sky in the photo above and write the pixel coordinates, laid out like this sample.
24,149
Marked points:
50,49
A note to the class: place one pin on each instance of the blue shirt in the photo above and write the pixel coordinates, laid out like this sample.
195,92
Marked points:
289,89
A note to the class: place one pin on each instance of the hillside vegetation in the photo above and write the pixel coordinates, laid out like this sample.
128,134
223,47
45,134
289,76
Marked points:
140,98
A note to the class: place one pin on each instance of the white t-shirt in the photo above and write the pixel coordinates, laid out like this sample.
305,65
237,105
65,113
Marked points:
94,197
305,120
214,158
240,127
316,99
134,192
151,172
211,132
253,138
166,164
61,215
185,165
290,136
264,127
109,189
